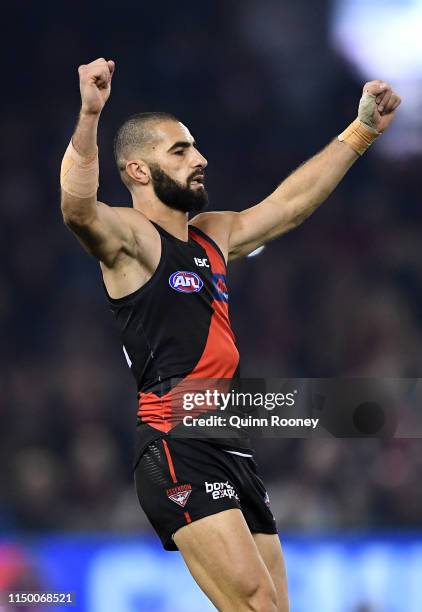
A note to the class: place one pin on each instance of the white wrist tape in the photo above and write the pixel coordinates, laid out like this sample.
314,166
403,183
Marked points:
79,175
366,110
361,133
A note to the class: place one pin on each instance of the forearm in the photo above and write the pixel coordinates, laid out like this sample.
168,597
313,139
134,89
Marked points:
311,184
84,138
306,188
79,172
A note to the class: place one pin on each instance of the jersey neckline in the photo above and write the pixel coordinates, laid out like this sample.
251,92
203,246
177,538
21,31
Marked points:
191,239
167,234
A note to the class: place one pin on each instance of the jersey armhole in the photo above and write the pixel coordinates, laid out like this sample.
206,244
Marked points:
131,297
193,229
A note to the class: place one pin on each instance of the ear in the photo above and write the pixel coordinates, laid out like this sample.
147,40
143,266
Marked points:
138,171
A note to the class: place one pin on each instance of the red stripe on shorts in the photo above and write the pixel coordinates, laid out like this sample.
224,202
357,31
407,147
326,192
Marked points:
169,461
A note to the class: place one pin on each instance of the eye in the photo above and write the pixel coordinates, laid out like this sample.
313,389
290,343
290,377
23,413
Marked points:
180,152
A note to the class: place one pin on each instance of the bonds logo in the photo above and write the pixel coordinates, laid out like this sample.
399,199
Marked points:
218,490
180,494
185,282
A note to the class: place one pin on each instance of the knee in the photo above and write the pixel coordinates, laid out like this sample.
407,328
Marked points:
262,598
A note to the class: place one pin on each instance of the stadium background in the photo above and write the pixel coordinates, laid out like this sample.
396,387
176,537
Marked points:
262,87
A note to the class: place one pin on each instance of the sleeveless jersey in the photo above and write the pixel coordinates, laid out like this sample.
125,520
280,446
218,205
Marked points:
175,329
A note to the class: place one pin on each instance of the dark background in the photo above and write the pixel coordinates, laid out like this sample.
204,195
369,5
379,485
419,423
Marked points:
340,296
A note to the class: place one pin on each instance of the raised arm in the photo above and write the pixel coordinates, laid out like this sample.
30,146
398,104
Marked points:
101,229
305,189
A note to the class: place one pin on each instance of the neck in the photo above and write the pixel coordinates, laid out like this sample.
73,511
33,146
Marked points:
173,221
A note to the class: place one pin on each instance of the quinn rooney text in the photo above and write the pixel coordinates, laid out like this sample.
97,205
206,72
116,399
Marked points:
248,421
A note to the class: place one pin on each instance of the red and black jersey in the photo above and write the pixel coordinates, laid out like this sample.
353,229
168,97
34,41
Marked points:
176,327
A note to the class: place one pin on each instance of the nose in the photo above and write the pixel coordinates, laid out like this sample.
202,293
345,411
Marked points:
200,160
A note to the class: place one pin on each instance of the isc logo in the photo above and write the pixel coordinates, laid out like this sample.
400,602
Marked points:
186,282
201,262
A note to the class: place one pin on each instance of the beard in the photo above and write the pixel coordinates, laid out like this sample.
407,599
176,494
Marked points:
174,194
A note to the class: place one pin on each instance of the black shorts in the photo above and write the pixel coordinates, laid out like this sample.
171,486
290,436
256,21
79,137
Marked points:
182,480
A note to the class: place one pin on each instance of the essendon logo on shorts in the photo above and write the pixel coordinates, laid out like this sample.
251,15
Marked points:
180,494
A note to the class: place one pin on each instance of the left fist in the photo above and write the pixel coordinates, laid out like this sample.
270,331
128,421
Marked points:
378,104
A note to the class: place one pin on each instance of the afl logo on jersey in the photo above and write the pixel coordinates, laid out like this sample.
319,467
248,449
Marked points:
185,282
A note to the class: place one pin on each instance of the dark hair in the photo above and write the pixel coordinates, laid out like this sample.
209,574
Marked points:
137,132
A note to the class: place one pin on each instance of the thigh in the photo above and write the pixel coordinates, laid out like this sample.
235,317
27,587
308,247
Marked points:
271,552
223,558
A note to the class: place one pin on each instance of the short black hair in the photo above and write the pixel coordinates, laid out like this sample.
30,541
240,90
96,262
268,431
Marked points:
136,132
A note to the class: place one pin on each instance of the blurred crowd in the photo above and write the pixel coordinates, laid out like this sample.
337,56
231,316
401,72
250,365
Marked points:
339,296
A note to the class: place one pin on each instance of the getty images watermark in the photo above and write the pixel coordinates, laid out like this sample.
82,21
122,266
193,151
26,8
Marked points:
221,402
297,408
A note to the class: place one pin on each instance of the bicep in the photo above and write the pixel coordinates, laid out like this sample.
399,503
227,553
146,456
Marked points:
102,231
257,225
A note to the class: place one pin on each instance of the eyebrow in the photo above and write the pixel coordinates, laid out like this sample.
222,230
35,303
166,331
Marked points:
184,144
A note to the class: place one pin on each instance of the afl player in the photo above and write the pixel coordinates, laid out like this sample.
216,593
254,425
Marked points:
165,280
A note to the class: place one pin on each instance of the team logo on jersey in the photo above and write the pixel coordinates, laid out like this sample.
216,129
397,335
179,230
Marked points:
220,288
180,494
185,282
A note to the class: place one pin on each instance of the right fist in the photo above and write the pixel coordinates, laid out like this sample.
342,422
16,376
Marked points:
95,84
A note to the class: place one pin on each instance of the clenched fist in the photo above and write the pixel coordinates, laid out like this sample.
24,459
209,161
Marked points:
378,104
95,85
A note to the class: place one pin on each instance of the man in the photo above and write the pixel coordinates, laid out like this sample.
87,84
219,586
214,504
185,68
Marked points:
165,281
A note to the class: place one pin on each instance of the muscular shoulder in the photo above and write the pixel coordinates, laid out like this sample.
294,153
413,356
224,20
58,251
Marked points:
139,223
129,271
217,225
132,216
147,243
